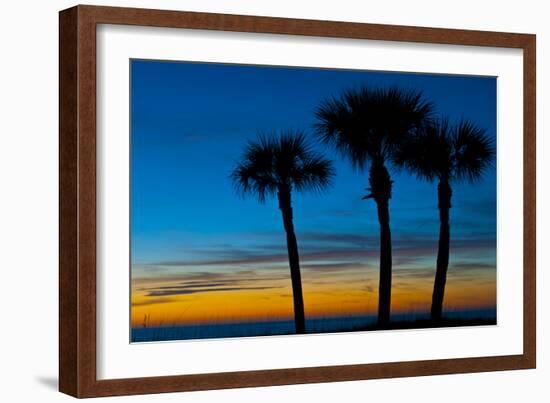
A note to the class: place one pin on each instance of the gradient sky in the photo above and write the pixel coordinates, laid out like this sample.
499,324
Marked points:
201,253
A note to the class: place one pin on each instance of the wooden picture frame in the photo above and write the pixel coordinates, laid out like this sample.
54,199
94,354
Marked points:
77,208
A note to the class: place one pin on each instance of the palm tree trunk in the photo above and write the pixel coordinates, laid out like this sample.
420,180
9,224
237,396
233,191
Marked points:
285,205
381,189
384,287
444,193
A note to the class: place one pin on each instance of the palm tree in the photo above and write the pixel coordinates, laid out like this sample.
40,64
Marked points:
367,126
279,165
446,154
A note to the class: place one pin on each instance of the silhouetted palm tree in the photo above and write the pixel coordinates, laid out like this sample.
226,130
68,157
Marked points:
279,165
367,126
446,154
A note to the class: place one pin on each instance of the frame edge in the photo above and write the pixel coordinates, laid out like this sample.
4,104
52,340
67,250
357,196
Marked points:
77,327
68,201
529,201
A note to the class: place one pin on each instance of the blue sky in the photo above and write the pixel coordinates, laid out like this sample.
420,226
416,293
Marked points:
189,124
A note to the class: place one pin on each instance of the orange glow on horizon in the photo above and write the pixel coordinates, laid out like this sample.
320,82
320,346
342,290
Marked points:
352,293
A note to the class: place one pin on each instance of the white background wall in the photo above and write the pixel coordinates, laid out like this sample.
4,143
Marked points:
29,197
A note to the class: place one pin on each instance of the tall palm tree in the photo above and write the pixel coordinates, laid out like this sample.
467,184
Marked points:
446,154
367,126
279,165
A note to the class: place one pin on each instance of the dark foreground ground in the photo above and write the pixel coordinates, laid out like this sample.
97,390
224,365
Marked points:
317,325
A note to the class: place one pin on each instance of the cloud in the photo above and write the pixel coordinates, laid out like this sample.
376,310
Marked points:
339,238
313,246
198,285
332,267
201,282
471,266
405,253
421,273
323,251
151,301
232,258
206,278
177,291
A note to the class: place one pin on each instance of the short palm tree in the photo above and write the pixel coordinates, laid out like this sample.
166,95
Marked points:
279,165
367,126
446,154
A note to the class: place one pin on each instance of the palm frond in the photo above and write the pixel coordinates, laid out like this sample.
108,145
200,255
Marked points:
337,126
442,151
315,173
254,173
473,152
427,153
281,160
368,124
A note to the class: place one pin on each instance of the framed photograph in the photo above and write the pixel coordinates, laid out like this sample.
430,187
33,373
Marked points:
254,201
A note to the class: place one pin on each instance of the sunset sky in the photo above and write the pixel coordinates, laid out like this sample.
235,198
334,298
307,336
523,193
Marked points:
202,254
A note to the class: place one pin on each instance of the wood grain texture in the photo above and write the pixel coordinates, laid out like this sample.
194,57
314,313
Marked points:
68,279
77,208
529,202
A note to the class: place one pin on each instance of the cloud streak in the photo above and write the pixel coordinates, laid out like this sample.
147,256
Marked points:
348,249
177,291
